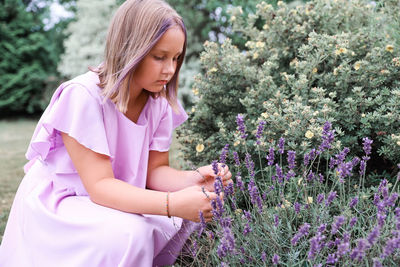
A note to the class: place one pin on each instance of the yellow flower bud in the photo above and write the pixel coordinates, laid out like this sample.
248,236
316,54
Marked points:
309,200
199,148
309,134
390,48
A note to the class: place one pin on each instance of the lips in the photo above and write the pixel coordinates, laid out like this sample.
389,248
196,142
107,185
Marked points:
163,82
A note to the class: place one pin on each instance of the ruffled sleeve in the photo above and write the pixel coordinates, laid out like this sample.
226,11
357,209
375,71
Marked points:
162,137
74,110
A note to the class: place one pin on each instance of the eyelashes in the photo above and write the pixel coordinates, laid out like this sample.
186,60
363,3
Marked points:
164,58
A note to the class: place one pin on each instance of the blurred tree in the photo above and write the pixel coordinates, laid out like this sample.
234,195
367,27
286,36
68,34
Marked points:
87,34
29,55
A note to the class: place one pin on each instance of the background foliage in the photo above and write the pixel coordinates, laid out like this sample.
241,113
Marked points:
29,56
302,66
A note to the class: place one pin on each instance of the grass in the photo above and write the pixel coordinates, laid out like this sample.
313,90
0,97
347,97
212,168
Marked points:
14,139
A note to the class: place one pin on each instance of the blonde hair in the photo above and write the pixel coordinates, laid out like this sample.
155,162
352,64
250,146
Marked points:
135,28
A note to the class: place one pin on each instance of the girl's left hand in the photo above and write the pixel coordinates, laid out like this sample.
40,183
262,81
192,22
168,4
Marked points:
205,176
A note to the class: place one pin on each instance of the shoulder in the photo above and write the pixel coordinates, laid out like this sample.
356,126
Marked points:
83,87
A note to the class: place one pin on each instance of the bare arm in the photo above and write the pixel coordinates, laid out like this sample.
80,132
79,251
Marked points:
164,178
104,189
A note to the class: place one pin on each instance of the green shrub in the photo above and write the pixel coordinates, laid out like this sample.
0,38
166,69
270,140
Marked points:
325,60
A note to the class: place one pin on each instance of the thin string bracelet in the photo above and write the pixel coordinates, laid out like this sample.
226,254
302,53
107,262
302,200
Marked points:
202,176
169,216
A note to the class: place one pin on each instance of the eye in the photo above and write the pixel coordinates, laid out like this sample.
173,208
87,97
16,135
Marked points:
177,58
159,58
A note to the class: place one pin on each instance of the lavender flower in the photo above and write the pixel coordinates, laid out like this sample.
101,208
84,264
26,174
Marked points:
331,259
218,185
227,244
320,198
342,249
236,158
279,173
303,231
297,207
376,263
339,158
249,164
224,152
315,245
260,129
358,253
275,259
281,145
390,246
309,157
247,229
263,256
322,228
291,158
353,221
215,168
271,156
327,137
353,202
321,178
276,220
194,248
247,215
228,190
339,221
239,182
240,125
381,218
390,202
255,195
332,195
367,145
372,237
310,176
203,224
290,174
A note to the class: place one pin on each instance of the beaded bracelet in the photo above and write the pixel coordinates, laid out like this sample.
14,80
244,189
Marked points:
169,216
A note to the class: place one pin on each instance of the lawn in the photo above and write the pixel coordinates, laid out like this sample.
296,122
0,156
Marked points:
14,139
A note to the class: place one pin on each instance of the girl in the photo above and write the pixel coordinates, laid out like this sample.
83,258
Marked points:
98,190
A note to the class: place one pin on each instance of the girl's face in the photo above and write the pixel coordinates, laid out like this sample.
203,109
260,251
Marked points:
159,65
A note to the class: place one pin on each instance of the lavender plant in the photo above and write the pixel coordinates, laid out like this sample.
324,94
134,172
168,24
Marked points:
300,214
335,60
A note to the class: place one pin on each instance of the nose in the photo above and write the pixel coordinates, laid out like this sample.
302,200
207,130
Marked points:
169,67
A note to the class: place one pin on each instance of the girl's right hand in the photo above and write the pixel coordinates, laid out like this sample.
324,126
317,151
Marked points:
188,202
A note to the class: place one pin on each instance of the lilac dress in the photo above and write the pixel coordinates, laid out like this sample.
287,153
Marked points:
54,223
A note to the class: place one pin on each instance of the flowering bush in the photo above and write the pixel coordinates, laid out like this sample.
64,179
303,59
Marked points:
292,213
335,60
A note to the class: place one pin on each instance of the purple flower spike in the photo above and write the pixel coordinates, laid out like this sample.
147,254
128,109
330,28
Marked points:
358,253
271,156
328,136
376,263
263,256
331,259
260,129
281,145
279,173
291,158
353,221
315,245
367,145
373,236
353,202
303,231
223,155
214,165
247,229
203,224
339,221
240,125
320,198
297,207
249,164
332,195
239,182
275,259
236,158
276,220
